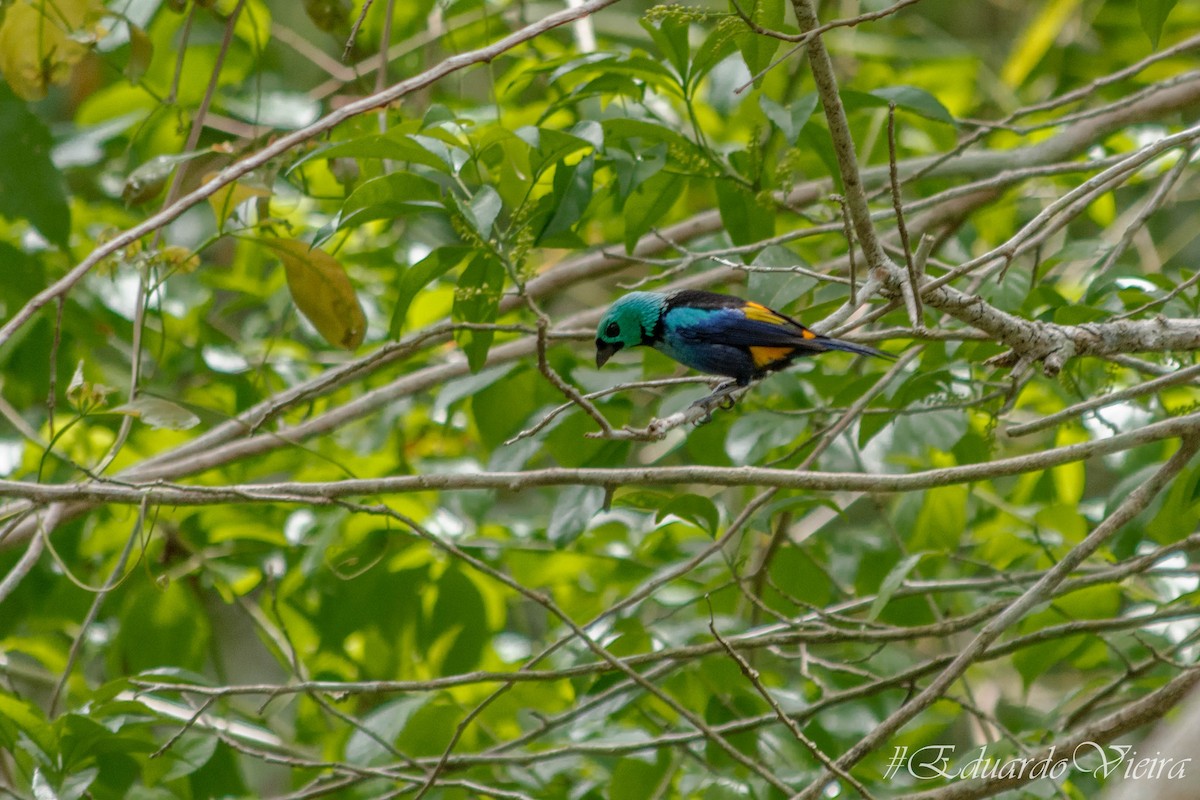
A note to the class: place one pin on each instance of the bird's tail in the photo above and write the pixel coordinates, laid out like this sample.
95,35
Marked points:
850,347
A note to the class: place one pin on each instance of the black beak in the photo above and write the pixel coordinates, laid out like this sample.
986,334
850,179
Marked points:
604,351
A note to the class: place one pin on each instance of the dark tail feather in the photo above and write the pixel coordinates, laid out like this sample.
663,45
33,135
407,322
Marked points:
850,347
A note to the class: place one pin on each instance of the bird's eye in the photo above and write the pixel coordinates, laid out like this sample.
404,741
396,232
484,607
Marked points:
613,330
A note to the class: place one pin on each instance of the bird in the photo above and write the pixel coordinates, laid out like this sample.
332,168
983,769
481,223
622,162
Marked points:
718,334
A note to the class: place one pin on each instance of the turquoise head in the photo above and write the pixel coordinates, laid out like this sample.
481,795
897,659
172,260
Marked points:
629,322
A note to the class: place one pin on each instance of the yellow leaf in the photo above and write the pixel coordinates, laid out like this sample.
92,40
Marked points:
1036,40
1069,478
1103,210
40,43
232,195
322,292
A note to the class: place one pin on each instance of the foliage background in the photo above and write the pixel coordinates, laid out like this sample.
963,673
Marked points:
297,522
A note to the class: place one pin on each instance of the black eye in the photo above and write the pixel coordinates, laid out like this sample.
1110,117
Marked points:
613,330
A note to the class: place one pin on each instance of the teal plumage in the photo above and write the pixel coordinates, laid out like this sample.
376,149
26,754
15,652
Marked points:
714,333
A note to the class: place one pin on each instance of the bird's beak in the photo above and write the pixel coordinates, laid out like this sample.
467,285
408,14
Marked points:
604,351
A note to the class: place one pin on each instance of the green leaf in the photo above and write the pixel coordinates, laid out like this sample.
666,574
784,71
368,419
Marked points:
816,139
477,300
148,180
21,720
159,413
671,36
716,47
459,609
628,70
907,98
550,145
779,289
415,278
694,509
228,198
649,203
1154,15
894,579
915,100
385,722
429,731
745,220
938,429
482,210
189,753
161,628
467,386
394,195
792,119
1030,662
634,168
574,509
794,571
942,521
395,146
40,43
752,435
632,777
572,194
275,109
640,133
31,188
502,407
220,776
1078,314
758,50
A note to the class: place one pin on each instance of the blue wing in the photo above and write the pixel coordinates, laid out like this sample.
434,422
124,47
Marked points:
733,326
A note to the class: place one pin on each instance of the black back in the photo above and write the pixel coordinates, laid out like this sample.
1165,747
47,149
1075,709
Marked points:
696,298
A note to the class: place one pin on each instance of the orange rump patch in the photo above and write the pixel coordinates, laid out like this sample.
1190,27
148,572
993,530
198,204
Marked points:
765,356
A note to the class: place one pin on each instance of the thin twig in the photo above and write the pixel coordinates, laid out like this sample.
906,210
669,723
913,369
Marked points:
849,234
354,29
752,675
913,295
802,39
548,372
114,578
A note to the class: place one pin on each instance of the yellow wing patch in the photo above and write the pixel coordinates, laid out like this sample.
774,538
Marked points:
761,313
765,356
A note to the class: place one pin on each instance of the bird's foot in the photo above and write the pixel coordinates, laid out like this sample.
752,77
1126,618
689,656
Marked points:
721,397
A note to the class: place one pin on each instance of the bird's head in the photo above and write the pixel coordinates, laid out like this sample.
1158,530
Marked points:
629,322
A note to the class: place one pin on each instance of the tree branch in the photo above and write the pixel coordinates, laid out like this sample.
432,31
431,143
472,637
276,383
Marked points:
1133,505
326,492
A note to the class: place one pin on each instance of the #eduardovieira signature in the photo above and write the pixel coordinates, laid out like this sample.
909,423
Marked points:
1103,761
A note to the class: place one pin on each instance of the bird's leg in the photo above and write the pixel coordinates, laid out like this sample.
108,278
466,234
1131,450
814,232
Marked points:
723,394
721,397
